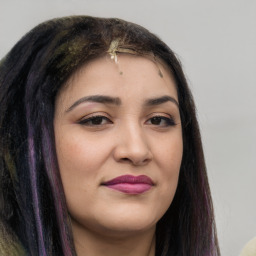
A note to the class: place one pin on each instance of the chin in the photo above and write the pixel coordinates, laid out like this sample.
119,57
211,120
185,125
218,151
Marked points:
125,230
128,223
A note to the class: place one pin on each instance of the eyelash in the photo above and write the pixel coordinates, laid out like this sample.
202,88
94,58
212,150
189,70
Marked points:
89,121
169,121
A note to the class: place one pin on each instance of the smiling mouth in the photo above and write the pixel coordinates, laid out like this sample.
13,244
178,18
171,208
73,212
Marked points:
130,184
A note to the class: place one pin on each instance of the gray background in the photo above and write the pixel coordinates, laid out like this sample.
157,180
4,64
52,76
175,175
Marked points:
216,42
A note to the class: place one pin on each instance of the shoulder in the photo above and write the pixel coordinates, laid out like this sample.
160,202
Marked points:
9,243
250,248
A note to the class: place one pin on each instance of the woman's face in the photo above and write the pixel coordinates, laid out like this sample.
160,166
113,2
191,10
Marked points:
119,144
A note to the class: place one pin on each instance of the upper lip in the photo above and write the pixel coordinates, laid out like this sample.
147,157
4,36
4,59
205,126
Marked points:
130,179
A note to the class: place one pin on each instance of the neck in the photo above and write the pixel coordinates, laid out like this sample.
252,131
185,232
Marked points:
132,244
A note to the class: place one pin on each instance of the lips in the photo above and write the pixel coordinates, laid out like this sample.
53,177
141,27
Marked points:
130,184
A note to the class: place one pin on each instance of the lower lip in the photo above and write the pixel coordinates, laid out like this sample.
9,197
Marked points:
129,188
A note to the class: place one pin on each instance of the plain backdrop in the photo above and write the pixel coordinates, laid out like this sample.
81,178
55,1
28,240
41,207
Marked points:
216,42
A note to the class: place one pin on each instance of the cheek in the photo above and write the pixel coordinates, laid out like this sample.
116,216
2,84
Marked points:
168,157
78,153
168,154
79,162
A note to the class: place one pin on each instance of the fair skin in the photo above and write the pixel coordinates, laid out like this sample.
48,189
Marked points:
133,128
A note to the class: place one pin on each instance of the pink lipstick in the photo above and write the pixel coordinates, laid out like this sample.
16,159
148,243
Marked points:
130,184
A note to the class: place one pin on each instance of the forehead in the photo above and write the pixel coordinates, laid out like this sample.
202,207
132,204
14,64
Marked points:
130,77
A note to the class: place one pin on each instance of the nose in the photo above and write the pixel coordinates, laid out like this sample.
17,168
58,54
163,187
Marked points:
132,146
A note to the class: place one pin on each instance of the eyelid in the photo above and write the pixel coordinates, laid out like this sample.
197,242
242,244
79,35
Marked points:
159,114
93,116
169,119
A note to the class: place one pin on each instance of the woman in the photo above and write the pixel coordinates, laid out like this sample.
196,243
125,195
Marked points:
100,147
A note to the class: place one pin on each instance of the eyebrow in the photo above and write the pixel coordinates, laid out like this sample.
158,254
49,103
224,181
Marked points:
96,98
117,101
161,100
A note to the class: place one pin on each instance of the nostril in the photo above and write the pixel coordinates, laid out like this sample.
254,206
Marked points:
132,153
125,159
134,161
128,161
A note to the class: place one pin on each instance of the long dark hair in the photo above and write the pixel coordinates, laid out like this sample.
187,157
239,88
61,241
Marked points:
31,193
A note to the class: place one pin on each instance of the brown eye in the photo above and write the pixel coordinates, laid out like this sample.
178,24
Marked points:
161,121
95,121
156,120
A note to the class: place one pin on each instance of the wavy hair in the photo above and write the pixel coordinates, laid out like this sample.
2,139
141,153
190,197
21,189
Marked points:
31,193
